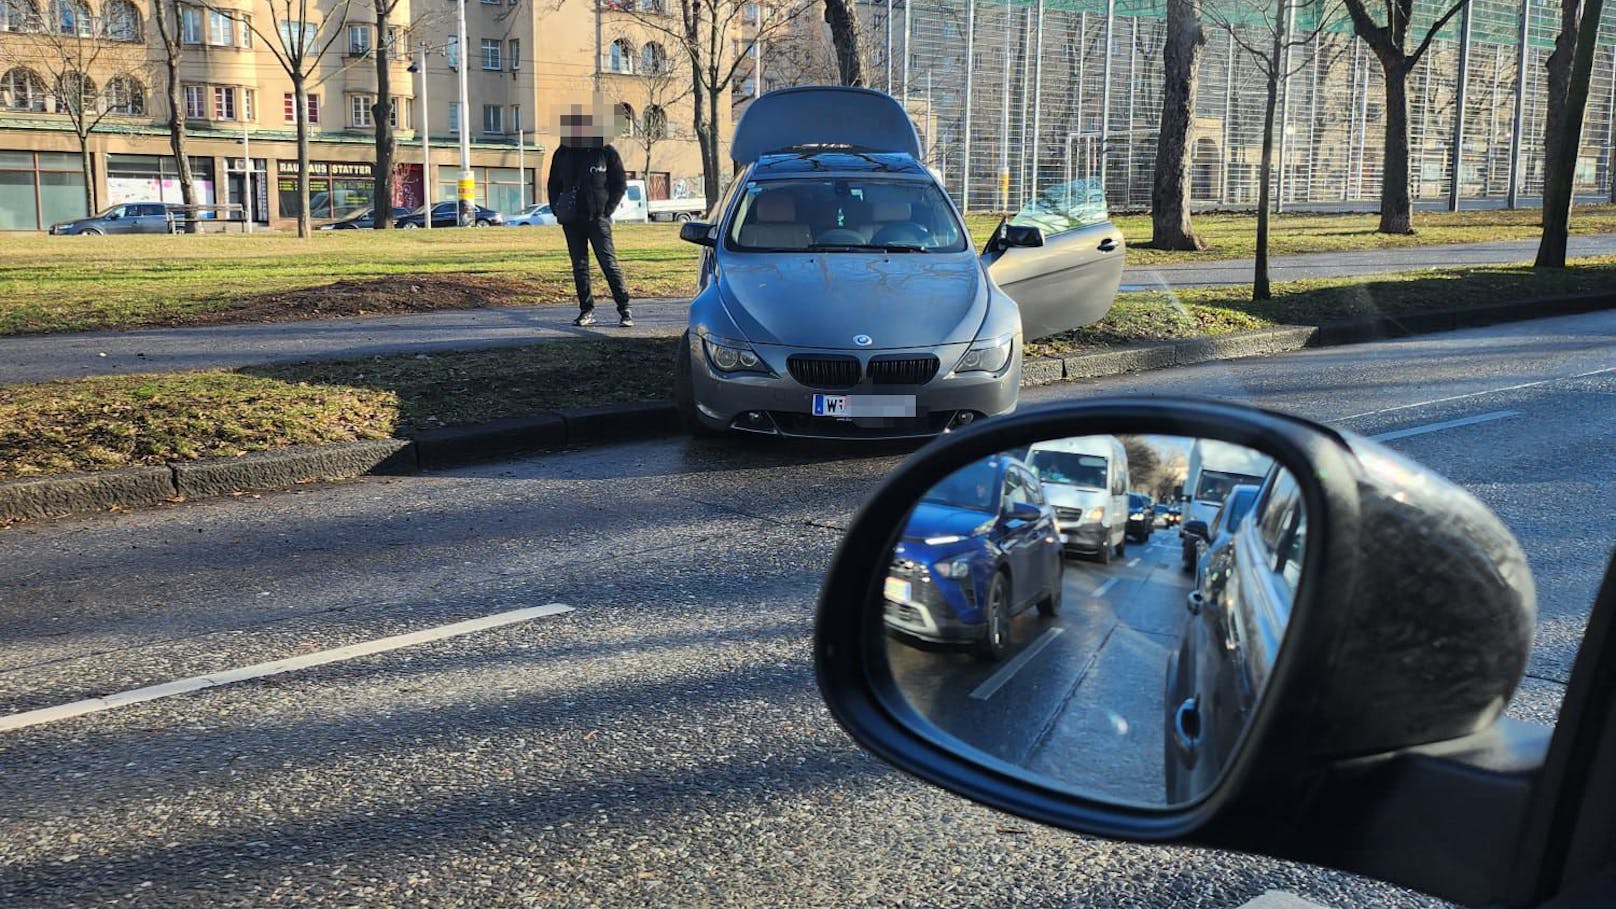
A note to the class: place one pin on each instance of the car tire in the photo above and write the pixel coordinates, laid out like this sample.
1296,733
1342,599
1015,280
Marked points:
996,625
684,392
683,216
482,222
409,225
1050,605
1122,546
89,232
1104,555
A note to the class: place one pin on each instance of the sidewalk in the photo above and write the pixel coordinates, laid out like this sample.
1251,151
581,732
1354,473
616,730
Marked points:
32,358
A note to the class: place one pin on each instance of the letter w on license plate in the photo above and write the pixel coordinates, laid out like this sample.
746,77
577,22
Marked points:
849,406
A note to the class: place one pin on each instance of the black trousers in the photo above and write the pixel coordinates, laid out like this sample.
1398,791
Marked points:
596,232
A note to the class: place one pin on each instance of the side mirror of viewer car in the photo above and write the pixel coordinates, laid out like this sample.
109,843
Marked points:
1376,743
697,232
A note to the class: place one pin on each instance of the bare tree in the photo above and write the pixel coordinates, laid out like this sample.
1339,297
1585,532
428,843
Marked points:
298,46
1144,465
701,30
381,115
1389,42
1570,67
64,51
665,85
1279,51
1170,226
166,13
846,34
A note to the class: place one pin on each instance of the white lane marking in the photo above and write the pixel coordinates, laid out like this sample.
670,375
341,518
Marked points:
1445,424
1133,561
1475,394
991,685
1100,591
274,667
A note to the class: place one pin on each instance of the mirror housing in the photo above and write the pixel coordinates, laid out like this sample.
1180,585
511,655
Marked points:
697,232
1410,631
1197,529
1024,511
1023,236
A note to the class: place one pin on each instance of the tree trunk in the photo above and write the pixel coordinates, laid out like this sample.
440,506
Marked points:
1551,251
1260,289
89,174
845,35
1170,226
1396,206
381,114
1559,69
710,163
301,101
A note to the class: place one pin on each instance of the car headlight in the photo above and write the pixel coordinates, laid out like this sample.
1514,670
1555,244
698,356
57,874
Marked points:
944,540
733,357
1136,517
986,356
955,568
1097,513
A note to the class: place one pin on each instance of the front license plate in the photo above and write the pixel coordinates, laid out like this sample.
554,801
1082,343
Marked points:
898,590
850,406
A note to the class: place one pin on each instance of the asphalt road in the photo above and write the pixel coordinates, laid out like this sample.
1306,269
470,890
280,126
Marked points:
35,358
662,744
1078,696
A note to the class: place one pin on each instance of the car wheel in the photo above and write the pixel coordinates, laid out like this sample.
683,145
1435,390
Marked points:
481,222
682,216
996,625
89,232
1122,546
1104,555
1050,605
684,392
409,225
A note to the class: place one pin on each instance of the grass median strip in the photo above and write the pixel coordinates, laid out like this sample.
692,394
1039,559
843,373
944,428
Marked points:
66,284
122,421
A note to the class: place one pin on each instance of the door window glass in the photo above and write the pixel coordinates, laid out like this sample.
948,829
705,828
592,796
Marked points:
1064,207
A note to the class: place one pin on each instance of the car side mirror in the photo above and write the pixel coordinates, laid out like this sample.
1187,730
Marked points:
697,232
1197,529
114,216
1382,650
1023,235
1024,511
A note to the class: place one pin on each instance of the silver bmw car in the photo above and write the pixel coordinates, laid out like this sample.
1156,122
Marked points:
841,296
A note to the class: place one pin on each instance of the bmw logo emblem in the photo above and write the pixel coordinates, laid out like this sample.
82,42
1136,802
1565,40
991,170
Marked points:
863,340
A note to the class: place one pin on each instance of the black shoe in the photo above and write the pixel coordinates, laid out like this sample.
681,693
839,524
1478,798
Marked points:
625,319
584,318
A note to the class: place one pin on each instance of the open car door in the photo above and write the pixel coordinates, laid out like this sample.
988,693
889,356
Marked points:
1060,259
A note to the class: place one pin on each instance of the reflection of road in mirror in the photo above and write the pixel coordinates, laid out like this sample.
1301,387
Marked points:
1021,623
1078,698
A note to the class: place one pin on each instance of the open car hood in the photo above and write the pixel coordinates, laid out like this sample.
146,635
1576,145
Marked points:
825,300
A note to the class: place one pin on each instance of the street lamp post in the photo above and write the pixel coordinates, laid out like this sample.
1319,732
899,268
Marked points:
426,144
467,188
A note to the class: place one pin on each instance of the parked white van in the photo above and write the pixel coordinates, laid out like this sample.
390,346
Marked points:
1086,479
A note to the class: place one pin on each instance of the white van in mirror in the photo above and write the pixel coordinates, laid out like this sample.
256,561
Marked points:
1086,480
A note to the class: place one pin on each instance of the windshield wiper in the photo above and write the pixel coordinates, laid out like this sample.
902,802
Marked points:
867,247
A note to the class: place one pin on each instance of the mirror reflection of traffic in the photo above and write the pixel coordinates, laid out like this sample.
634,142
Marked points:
1139,688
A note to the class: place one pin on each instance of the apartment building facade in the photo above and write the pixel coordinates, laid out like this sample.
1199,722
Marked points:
524,60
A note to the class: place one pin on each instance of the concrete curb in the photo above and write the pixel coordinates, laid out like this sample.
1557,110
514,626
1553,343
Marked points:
141,486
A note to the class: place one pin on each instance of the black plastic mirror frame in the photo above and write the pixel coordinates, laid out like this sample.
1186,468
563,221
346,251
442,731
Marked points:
697,232
1023,235
850,638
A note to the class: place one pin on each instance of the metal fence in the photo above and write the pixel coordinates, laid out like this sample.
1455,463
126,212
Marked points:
1014,96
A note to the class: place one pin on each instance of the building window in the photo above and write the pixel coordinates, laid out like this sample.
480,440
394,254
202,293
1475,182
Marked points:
398,113
359,110
493,122
298,37
620,59
196,102
626,125
126,96
72,17
190,25
516,118
453,51
397,43
290,107
224,102
454,116
653,59
249,107
656,123
358,40
221,31
123,21
244,26
22,89
18,16
514,51
492,49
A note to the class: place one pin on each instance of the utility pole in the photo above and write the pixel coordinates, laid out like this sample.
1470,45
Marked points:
426,147
1519,121
467,193
970,71
1456,159
1004,123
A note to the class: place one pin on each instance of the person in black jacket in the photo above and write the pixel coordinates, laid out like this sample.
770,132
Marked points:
588,165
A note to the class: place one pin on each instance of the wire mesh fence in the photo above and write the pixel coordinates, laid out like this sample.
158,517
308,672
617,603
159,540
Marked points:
1012,96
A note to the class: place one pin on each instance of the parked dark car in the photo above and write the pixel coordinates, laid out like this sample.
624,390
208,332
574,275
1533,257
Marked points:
446,214
1204,543
1141,518
125,218
365,219
979,548
1229,644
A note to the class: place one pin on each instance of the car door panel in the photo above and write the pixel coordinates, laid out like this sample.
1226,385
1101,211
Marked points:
1067,283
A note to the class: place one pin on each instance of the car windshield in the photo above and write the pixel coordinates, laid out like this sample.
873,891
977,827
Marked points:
1214,485
1237,506
974,487
1069,468
114,210
845,215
